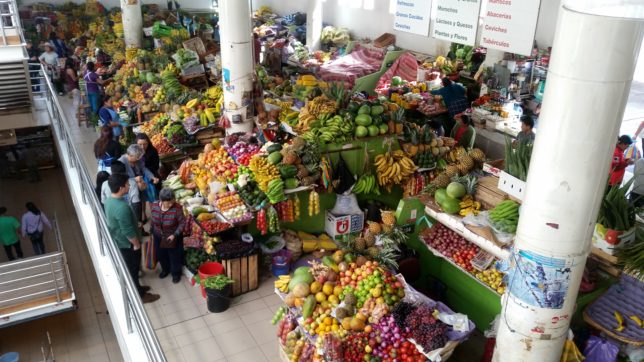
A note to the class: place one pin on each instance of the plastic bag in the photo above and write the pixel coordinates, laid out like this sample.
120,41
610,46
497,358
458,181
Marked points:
600,350
493,328
482,220
150,253
346,205
570,352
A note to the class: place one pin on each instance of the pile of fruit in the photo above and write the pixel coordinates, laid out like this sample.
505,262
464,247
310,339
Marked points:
251,194
493,278
232,207
457,196
451,245
212,226
393,168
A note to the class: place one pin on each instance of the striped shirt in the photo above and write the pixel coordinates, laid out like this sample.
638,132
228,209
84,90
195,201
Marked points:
166,223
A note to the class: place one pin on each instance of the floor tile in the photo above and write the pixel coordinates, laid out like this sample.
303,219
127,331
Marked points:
253,354
187,326
246,297
263,332
193,337
182,315
235,341
174,355
262,314
226,326
249,307
213,318
204,351
271,350
272,300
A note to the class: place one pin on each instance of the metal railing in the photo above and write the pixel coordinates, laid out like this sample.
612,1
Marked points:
10,20
135,313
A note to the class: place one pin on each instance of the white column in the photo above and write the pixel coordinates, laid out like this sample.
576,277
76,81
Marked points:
314,17
594,55
237,63
132,23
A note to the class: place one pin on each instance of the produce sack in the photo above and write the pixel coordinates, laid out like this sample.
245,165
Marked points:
600,350
185,58
150,252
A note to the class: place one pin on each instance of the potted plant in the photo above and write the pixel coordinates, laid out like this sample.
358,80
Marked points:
616,220
217,291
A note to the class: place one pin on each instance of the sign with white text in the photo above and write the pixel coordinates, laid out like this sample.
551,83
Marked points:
412,16
509,25
457,21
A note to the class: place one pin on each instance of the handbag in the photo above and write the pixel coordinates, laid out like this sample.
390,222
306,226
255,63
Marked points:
150,255
36,235
150,190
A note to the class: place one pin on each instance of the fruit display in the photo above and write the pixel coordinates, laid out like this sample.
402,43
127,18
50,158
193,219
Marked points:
232,207
329,129
251,194
212,226
493,278
263,171
452,246
505,216
314,203
393,168
366,184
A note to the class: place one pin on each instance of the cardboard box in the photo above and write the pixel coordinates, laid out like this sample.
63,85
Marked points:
511,185
600,242
337,226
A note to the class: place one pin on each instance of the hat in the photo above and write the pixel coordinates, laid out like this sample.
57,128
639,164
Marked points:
625,139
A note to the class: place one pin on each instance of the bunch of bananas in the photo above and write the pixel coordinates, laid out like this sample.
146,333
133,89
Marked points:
321,105
131,54
215,92
304,121
469,206
366,184
118,29
393,168
329,130
263,171
281,283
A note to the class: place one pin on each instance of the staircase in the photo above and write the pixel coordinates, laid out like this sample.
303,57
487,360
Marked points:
15,86
15,83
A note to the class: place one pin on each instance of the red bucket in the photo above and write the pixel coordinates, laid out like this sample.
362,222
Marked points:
209,269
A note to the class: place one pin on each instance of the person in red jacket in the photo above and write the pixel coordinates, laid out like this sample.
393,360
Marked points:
618,166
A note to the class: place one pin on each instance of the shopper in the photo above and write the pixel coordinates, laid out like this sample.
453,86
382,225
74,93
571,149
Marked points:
94,83
135,169
132,198
49,59
33,222
108,116
464,133
33,53
71,79
9,229
101,179
637,194
619,163
527,134
106,149
167,230
454,97
122,225
151,162
59,45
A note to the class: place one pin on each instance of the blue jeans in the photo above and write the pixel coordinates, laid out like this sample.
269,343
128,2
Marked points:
93,99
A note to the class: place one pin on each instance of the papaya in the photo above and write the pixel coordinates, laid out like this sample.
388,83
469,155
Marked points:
309,305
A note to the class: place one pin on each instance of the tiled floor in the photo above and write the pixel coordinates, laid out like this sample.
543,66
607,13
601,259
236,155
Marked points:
185,328
85,334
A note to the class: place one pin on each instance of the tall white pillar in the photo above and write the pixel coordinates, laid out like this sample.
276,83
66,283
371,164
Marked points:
594,55
132,23
237,63
314,17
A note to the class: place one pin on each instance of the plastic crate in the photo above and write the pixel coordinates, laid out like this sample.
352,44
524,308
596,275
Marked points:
482,260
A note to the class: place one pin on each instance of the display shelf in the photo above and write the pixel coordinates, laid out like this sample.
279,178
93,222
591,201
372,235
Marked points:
438,254
456,224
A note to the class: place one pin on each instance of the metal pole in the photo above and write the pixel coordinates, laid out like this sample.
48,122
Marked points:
594,56
237,64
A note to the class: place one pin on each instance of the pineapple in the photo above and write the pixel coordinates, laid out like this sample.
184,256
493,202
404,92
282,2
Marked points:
370,239
302,172
374,227
467,161
451,170
387,228
360,244
308,180
298,143
290,157
442,180
463,169
477,155
373,252
460,153
388,218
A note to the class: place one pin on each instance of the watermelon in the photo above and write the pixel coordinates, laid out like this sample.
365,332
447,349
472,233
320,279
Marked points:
291,183
451,205
383,128
373,130
455,190
363,120
274,158
288,171
365,109
361,131
275,147
377,109
440,196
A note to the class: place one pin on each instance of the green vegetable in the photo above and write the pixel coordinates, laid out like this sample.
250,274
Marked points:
630,256
517,161
615,212
217,282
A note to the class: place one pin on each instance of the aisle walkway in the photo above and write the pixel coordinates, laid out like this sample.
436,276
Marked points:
82,335
185,328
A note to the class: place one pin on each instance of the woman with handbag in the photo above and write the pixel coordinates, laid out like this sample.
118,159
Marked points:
106,149
32,226
167,230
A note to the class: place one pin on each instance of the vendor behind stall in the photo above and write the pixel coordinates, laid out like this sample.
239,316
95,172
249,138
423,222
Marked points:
527,134
436,127
463,132
454,97
108,116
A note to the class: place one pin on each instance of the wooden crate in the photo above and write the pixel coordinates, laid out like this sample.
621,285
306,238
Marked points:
488,193
244,271
206,136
